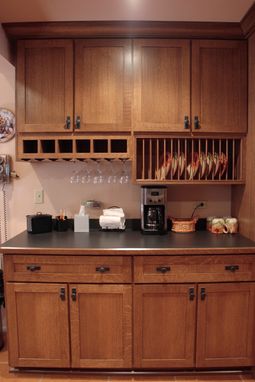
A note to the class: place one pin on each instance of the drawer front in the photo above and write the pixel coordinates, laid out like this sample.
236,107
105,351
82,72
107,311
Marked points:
105,269
158,269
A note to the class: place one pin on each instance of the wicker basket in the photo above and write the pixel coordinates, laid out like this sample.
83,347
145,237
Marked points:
184,225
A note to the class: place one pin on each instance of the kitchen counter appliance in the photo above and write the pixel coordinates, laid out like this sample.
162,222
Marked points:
153,209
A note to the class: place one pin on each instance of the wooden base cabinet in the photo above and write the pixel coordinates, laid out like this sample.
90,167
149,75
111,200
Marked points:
225,325
101,331
165,325
37,319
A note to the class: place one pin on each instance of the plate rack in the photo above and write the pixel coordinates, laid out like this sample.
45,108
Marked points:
188,160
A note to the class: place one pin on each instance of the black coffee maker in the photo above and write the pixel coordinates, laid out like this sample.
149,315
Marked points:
153,209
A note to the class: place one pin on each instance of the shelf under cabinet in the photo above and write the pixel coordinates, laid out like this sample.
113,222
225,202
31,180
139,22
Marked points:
173,160
52,148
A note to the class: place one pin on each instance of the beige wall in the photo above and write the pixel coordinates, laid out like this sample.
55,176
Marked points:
53,178
4,45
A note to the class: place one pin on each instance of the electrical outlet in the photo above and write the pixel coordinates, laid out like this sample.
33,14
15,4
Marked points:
200,204
38,196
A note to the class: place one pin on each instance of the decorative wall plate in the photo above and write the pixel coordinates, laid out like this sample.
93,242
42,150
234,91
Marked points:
7,125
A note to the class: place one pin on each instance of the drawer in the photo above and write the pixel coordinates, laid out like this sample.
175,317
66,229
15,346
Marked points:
158,269
105,269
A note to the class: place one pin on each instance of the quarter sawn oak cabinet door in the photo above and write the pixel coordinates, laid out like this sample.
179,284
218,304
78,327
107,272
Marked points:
219,86
45,86
161,85
103,85
164,326
101,332
225,332
37,318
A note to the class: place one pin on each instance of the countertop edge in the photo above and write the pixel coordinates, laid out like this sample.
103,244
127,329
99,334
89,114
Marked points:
127,251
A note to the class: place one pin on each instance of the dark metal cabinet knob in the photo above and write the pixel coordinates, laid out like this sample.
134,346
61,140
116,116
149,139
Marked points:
163,269
186,122
191,294
74,294
196,123
78,122
202,294
62,294
232,268
68,123
102,269
33,268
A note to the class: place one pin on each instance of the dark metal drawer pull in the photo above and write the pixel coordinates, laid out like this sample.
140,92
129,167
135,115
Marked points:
73,294
232,268
186,122
62,294
33,268
196,122
102,269
78,122
68,122
191,294
163,269
202,294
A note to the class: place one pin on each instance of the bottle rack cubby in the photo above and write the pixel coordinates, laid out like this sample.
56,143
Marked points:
32,148
188,160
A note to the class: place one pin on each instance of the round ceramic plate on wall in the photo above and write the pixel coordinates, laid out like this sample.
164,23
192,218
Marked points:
7,125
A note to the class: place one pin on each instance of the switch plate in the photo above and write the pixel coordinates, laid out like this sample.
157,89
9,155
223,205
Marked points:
38,196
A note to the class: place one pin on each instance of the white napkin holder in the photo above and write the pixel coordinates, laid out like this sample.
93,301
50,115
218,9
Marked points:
81,223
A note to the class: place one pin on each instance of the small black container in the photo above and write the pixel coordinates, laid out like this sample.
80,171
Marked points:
39,223
61,225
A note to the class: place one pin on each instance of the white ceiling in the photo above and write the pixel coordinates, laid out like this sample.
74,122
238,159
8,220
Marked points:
161,10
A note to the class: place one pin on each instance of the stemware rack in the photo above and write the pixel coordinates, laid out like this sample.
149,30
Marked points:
188,160
81,147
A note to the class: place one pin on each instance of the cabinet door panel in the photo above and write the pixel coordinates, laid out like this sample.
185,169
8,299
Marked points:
34,339
161,84
44,85
103,84
225,325
101,326
219,85
164,326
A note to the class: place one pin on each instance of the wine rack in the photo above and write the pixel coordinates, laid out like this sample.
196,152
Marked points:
57,147
188,160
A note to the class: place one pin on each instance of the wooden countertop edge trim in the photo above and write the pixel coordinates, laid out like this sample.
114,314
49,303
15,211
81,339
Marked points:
128,251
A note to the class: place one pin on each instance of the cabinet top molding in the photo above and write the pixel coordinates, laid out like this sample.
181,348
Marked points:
126,29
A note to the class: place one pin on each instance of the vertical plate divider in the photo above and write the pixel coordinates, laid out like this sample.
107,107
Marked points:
199,156
241,160
192,158
157,157
220,155
227,158
150,161
186,159
143,158
213,159
178,156
233,159
164,160
206,156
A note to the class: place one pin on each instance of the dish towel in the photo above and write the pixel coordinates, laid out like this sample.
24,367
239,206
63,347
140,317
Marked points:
112,218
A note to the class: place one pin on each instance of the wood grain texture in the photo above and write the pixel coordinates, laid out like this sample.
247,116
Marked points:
103,81
247,23
243,202
193,269
44,85
164,326
161,85
225,331
124,29
66,269
34,339
219,86
101,332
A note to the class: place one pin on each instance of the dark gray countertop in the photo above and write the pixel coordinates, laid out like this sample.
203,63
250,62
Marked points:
128,242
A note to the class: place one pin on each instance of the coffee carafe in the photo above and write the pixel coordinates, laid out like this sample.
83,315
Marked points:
153,209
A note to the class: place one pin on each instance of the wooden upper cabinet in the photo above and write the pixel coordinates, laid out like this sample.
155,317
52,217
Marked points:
219,86
161,85
225,328
37,317
44,85
103,85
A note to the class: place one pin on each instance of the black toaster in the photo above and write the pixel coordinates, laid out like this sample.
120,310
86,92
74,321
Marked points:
39,223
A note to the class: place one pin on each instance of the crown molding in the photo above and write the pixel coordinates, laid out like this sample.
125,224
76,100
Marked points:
248,22
123,29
